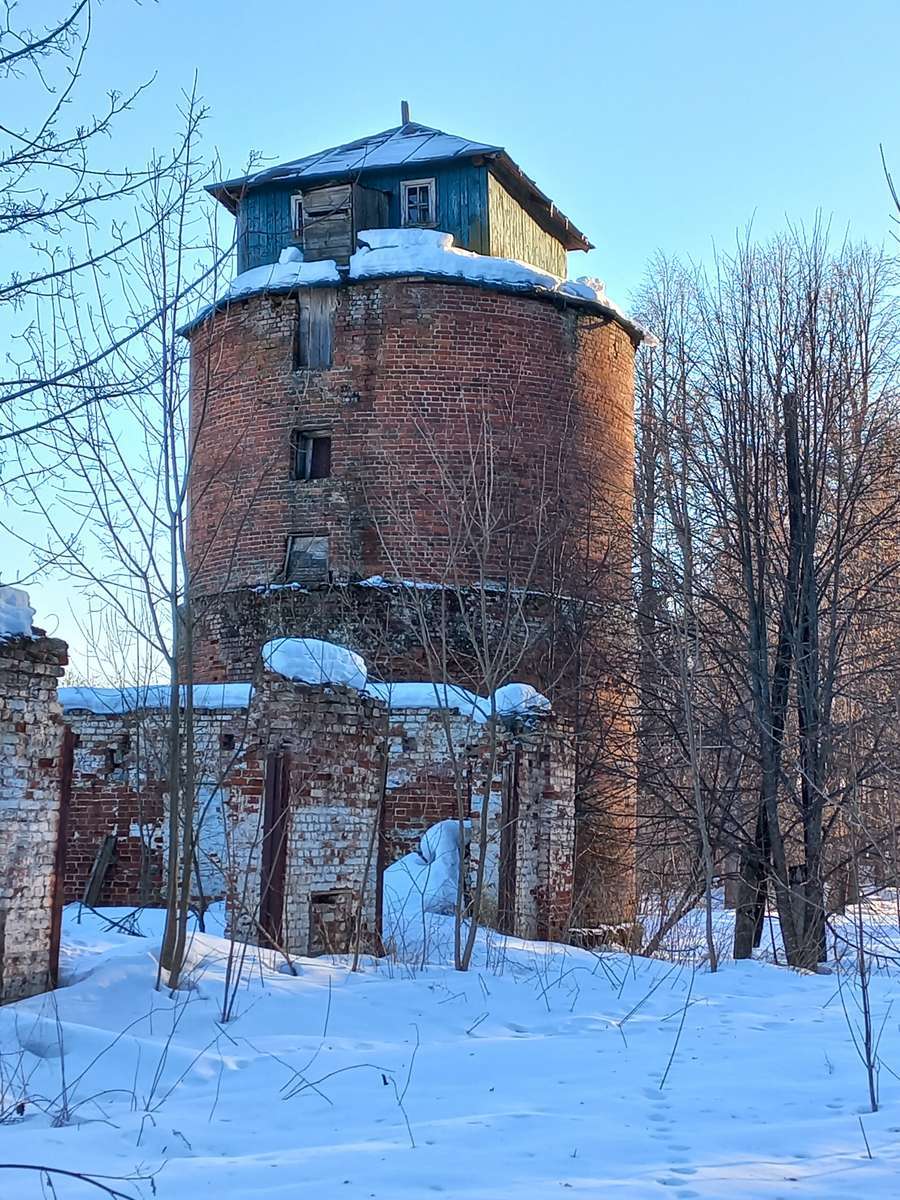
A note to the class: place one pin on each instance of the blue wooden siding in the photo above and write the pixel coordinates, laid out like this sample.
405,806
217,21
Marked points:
263,226
264,214
461,199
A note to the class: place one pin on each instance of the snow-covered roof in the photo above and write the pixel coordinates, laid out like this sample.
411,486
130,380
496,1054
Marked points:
404,145
16,614
106,701
408,146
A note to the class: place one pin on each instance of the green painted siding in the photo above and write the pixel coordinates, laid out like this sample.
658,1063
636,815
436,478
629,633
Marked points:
515,234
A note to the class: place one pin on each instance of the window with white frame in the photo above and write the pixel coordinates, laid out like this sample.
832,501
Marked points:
417,202
297,217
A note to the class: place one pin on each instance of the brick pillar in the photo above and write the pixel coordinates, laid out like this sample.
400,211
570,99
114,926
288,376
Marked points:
30,746
330,740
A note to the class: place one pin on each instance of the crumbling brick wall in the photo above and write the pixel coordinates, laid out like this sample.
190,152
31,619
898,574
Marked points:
31,739
543,776
438,760
119,789
114,794
331,740
422,785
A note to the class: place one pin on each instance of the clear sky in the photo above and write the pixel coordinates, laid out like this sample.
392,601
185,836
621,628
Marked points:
665,125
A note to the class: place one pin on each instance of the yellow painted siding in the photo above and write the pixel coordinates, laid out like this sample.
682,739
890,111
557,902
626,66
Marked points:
514,234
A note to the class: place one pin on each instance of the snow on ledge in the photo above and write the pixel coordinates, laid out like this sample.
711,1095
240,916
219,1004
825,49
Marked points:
287,273
511,700
16,613
386,252
319,663
106,701
422,694
517,699
430,252
308,660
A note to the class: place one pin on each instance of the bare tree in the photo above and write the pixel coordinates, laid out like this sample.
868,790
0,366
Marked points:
69,218
110,482
770,426
467,605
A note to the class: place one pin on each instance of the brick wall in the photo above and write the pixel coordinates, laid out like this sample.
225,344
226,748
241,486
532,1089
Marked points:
332,740
119,789
115,792
30,765
417,364
421,368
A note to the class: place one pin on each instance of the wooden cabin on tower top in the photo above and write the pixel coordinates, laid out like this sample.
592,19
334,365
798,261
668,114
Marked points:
410,176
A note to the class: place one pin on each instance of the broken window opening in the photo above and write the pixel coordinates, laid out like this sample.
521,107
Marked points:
310,455
417,202
297,217
306,558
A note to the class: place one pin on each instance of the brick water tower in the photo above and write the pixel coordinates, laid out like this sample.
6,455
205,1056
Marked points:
401,390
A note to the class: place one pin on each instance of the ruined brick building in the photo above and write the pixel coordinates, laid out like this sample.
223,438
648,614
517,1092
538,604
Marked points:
399,390
309,792
412,438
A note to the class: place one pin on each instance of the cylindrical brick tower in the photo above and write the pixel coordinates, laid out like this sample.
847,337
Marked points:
418,367
419,449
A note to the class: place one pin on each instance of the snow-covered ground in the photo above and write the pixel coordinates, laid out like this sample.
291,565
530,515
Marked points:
544,1071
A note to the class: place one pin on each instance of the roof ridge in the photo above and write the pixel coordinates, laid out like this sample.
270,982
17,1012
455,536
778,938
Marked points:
383,136
396,135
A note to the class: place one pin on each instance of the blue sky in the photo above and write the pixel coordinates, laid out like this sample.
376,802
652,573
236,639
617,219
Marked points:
662,125
665,125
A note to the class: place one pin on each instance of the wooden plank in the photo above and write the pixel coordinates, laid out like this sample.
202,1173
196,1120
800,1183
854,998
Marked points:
335,199
67,760
509,821
328,236
301,354
370,208
515,234
104,860
274,849
322,305
315,328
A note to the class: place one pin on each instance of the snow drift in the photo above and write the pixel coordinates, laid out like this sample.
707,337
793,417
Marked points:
386,252
424,881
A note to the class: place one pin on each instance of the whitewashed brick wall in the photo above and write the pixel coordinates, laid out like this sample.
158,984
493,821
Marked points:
30,745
